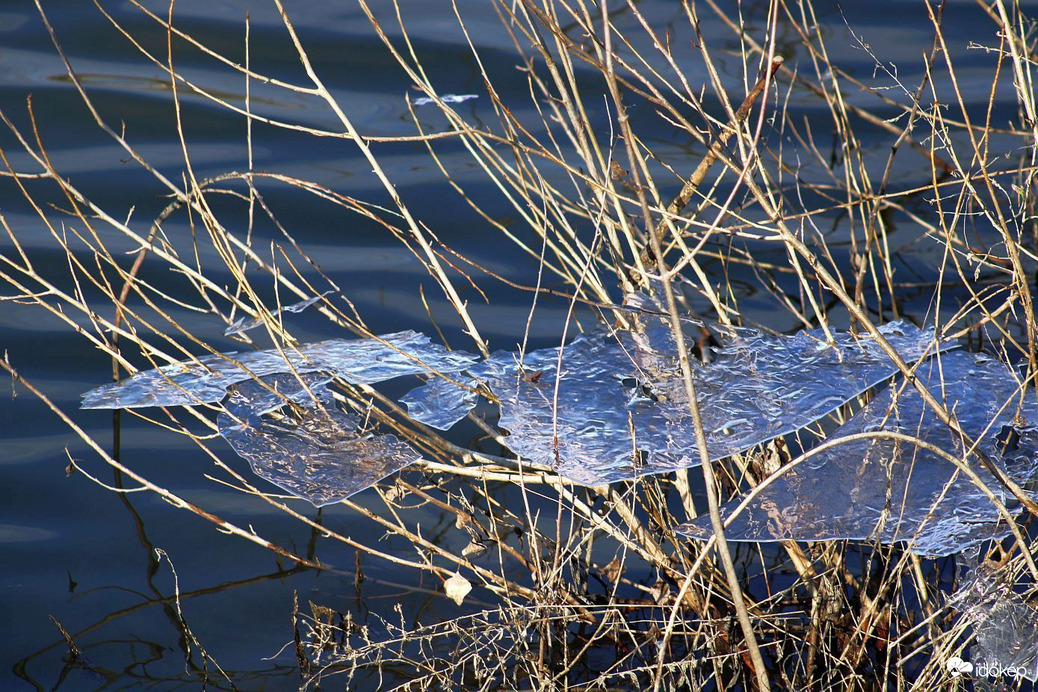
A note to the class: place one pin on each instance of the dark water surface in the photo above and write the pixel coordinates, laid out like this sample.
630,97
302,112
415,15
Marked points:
85,555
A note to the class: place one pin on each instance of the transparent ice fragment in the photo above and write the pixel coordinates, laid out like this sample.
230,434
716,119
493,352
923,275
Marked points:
308,447
273,392
361,361
446,98
246,323
440,403
620,410
653,305
895,490
1006,627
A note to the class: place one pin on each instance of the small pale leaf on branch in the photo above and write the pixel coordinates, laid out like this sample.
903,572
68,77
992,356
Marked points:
457,588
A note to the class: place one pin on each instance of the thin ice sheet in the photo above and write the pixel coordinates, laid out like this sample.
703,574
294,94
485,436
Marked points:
620,410
895,490
313,450
440,403
446,98
246,323
361,361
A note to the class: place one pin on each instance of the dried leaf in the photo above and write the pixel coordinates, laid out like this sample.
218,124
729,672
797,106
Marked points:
395,493
475,547
660,592
613,570
533,377
457,588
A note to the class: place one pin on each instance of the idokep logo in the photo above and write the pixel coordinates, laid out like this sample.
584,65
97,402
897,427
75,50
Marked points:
983,669
956,666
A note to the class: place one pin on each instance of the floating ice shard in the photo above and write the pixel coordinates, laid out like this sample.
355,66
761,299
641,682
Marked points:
895,490
440,403
1006,627
446,98
757,387
621,410
313,450
615,412
361,361
246,323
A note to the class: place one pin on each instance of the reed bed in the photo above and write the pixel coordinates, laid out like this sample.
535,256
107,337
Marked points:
686,181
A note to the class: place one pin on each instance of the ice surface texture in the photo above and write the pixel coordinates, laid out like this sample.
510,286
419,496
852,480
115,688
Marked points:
621,410
897,491
288,428
616,410
312,449
361,361
441,403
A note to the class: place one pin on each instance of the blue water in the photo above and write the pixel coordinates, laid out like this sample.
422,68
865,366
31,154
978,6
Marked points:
85,555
